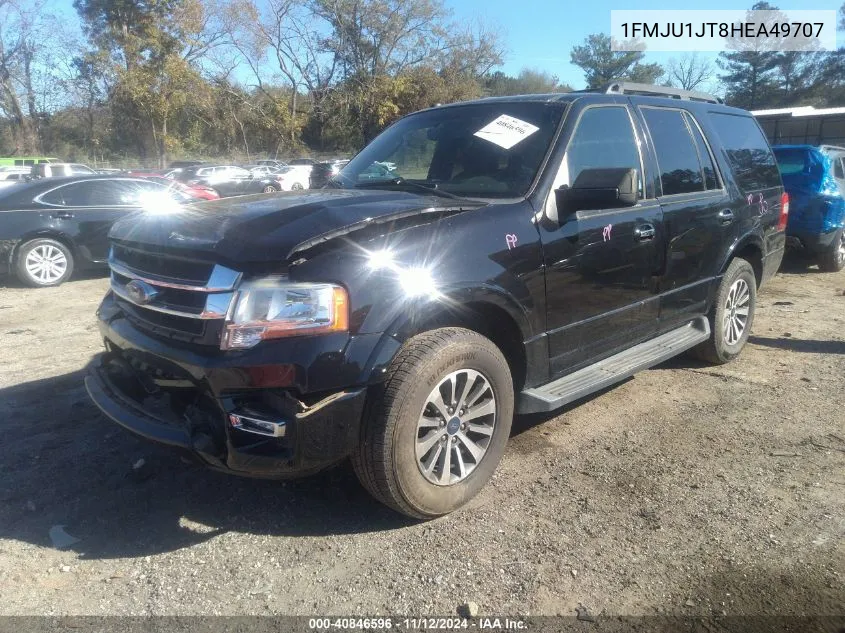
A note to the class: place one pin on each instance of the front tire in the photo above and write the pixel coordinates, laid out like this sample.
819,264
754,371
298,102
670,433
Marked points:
43,262
436,429
833,259
732,315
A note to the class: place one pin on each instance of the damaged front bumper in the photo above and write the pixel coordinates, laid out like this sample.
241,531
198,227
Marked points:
208,411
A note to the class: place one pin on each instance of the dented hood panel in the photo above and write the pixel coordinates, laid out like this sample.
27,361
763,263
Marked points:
263,228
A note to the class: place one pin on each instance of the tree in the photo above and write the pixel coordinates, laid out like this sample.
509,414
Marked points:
286,34
383,37
602,65
529,81
690,71
28,32
749,71
154,47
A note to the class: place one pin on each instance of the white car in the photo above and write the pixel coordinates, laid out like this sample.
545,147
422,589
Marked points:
14,173
292,178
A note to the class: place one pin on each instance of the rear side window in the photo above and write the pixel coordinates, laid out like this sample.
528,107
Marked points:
94,193
677,156
838,172
748,152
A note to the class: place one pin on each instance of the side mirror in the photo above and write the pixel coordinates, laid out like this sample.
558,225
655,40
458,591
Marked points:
598,189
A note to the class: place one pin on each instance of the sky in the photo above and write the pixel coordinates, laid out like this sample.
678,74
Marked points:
539,34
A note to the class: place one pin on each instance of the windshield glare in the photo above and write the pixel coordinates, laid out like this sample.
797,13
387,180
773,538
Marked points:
490,150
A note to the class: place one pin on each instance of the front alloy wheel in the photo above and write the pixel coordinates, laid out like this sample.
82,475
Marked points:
455,427
436,429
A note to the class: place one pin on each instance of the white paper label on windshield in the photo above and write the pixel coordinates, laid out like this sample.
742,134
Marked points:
506,131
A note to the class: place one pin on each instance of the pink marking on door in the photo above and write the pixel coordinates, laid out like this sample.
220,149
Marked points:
605,232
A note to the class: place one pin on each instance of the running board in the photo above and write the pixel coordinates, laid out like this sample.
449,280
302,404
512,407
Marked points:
613,369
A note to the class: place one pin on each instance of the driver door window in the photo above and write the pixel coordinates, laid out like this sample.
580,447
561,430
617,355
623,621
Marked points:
603,139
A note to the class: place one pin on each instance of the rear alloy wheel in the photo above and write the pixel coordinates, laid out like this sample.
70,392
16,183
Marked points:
297,186
44,262
833,259
731,316
436,429
269,189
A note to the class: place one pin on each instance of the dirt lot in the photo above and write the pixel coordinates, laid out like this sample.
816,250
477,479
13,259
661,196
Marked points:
687,490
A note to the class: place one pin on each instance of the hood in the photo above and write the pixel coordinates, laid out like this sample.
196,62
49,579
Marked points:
264,228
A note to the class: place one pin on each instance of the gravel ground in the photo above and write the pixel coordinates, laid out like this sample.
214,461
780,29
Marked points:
688,490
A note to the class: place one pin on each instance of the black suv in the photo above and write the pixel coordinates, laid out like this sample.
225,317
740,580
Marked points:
521,253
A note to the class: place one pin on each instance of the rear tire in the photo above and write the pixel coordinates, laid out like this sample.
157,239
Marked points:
833,259
296,187
412,458
269,189
732,315
43,262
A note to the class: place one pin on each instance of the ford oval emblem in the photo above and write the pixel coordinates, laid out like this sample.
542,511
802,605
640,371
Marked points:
140,292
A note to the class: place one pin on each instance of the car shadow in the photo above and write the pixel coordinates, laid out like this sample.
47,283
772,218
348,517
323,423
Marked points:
796,262
64,463
807,346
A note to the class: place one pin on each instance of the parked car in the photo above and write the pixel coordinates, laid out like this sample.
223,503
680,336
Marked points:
162,173
292,179
15,176
51,227
229,180
814,177
60,170
195,192
531,250
262,170
324,171
271,162
181,164
377,172
14,173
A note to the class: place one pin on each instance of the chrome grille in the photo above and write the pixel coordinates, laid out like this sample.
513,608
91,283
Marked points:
176,306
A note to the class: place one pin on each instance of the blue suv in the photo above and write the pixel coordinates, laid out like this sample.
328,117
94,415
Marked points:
814,178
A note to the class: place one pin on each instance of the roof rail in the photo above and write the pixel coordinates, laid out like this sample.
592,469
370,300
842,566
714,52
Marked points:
648,90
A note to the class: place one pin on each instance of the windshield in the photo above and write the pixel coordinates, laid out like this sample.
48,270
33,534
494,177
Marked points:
485,150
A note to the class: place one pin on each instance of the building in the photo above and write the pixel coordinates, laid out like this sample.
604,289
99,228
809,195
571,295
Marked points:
805,125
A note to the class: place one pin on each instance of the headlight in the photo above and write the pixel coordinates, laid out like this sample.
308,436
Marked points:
275,309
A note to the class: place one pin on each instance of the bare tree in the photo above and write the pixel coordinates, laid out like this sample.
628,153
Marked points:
25,36
690,71
474,48
282,38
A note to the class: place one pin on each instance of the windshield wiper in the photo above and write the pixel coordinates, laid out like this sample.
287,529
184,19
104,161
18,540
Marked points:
401,183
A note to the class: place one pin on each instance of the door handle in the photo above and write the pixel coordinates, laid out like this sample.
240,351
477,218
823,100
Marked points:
63,215
644,232
726,216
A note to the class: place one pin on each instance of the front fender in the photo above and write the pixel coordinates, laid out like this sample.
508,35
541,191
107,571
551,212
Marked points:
458,305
